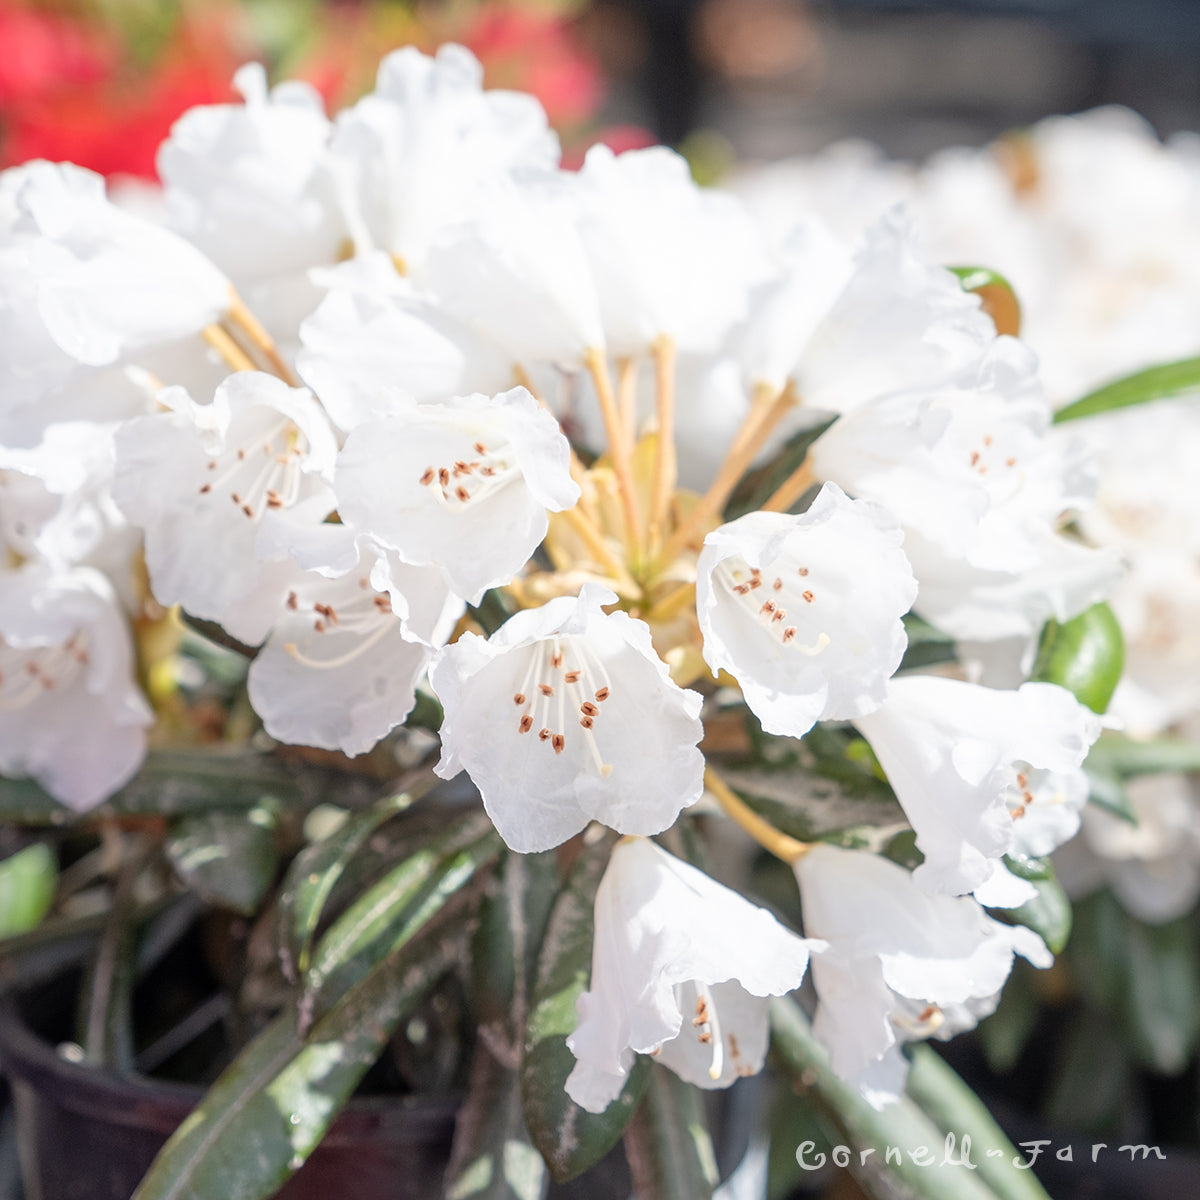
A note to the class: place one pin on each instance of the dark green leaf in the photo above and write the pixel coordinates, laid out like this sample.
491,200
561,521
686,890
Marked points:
395,910
270,1108
227,858
1085,655
1032,869
1145,977
757,487
1092,1079
667,1143
512,924
27,882
570,1138
1155,383
1005,1032
317,869
170,783
492,1157
1048,914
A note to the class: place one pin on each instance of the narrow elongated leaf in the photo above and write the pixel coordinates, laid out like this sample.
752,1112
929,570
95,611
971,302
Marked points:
316,870
493,1157
1146,978
169,783
505,949
267,1112
1126,757
1154,383
394,910
226,858
926,1163
667,1143
570,1138
943,1097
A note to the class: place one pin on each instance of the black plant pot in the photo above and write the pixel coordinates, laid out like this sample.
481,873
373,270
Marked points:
89,1134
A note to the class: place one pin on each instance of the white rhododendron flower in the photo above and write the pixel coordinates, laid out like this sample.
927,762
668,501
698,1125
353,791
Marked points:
669,258
464,485
566,715
681,969
805,611
901,965
109,282
409,157
71,714
959,758
207,482
249,183
342,662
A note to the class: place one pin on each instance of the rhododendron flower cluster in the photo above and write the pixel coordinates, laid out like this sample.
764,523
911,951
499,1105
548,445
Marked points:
406,409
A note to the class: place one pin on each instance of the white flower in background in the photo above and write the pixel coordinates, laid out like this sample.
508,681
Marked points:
901,965
249,185
959,758
681,966
669,259
246,183
355,634
71,714
409,157
374,344
844,328
566,715
464,485
517,273
1153,864
109,282
208,483
805,611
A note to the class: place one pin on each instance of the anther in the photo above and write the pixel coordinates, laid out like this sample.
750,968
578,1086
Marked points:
558,742
572,676
427,478
443,476
543,735
480,448
462,493
556,659
206,489
802,571
588,709
292,601
526,724
789,633
545,689
519,698
808,597
602,695
768,607
586,722
777,584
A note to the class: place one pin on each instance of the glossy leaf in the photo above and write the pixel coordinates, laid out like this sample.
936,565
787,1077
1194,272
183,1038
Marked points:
27,882
1085,655
270,1108
317,869
1145,977
493,1157
569,1138
226,858
1154,383
1048,914
667,1142
170,783
394,910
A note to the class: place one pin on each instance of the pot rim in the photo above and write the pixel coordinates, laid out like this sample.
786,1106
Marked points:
141,1101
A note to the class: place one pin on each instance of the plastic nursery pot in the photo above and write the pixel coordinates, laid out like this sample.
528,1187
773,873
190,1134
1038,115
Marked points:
89,1134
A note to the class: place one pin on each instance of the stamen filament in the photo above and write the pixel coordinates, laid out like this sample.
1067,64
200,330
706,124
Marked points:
241,316
597,366
665,468
235,357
